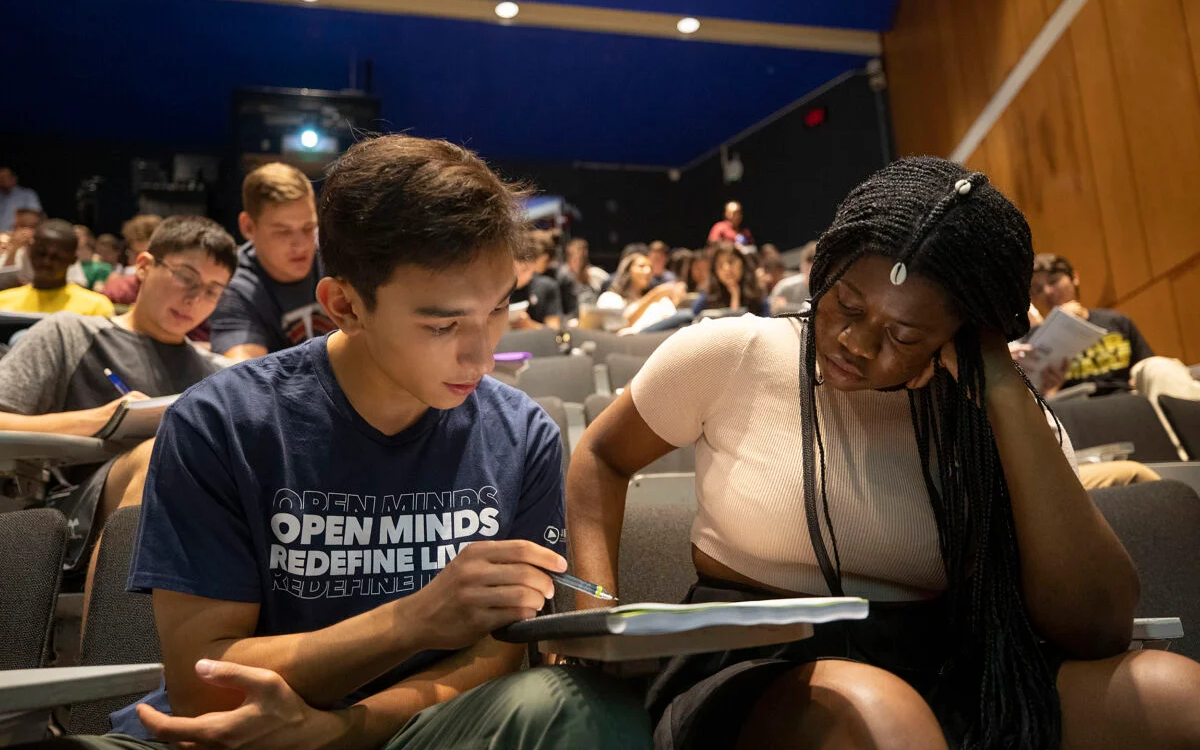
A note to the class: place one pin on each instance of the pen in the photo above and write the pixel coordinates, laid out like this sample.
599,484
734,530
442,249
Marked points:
579,584
112,377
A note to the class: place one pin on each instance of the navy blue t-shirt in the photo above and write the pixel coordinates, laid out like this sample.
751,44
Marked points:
266,486
257,309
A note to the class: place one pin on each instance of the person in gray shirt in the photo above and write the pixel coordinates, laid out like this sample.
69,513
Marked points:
53,380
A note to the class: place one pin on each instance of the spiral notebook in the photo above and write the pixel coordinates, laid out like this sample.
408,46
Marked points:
641,631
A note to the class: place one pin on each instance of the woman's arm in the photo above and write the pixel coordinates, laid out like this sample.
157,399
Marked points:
636,309
1079,583
616,445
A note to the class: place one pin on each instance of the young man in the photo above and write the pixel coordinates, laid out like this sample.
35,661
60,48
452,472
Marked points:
50,255
13,198
575,279
731,229
535,287
271,302
1108,364
660,256
53,379
331,532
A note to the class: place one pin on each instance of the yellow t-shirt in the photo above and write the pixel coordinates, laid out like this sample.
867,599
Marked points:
72,298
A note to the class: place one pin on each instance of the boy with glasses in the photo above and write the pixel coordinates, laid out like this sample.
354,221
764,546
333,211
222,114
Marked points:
54,379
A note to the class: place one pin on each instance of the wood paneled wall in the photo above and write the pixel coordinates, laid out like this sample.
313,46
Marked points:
1100,149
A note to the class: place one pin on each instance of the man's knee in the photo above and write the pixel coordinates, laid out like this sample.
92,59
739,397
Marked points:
568,707
1115,474
127,475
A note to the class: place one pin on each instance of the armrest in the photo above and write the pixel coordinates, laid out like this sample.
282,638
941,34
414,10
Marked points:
676,488
1155,632
1187,472
55,450
1099,454
1083,390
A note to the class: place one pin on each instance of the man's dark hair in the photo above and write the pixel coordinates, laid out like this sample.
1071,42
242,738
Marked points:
398,200
936,219
58,232
179,234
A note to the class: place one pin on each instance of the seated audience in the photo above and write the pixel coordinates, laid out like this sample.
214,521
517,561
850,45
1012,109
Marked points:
885,446
53,380
541,292
732,285
49,257
770,272
121,286
660,256
696,270
791,293
730,229
271,302
295,605
641,306
575,282
14,198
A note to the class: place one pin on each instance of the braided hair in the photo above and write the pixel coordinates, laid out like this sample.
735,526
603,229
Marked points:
936,219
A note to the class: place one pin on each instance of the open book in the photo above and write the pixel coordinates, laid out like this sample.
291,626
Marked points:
136,420
1061,336
640,631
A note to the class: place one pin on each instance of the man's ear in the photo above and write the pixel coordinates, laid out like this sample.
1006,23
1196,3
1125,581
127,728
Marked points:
246,226
142,264
343,304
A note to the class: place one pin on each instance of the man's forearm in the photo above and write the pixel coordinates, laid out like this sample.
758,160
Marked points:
326,665
371,722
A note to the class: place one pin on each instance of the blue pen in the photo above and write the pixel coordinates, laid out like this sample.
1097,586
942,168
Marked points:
112,377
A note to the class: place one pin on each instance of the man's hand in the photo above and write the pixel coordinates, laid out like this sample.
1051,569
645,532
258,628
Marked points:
1075,308
93,419
488,585
272,715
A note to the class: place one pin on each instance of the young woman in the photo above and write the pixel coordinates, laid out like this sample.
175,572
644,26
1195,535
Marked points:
732,284
887,447
631,293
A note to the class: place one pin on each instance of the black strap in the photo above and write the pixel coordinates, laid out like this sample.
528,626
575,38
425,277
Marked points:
808,451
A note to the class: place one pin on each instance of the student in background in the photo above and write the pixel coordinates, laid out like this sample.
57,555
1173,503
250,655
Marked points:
733,285
731,228
121,286
1109,363
660,256
16,252
53,379
271,302
358,633
791,293
631,293
49,257
535,287
575,283
14,198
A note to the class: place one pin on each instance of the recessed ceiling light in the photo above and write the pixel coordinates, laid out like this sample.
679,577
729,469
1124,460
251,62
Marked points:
310,1
688,25
507,10
309,138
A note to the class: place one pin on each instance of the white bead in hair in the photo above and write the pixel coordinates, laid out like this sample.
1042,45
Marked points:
963,187
899,273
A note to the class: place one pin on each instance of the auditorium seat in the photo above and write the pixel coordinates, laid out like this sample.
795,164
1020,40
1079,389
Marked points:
32,544
1184,417
542,342
120,625
1122,417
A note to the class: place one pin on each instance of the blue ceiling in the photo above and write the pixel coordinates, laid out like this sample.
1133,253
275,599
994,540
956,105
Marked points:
163,70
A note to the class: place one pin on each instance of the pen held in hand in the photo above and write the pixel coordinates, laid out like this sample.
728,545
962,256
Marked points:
116,381
578,584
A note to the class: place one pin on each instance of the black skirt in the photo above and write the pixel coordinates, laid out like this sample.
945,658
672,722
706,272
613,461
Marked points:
701,701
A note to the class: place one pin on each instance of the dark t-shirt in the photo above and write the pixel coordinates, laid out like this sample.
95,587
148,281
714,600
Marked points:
543,296
257,309
1107,364
266,486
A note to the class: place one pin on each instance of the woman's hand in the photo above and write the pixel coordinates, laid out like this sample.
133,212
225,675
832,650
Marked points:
997,360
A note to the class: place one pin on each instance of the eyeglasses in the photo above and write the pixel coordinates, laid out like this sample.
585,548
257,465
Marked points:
188,280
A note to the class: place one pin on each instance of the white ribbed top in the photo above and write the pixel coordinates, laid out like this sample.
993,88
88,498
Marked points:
731,388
